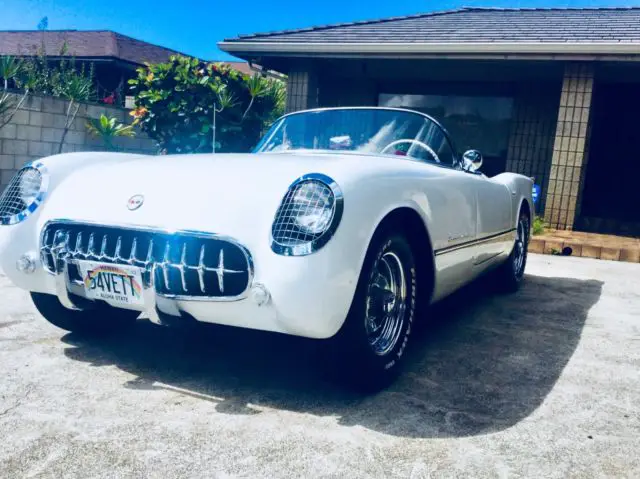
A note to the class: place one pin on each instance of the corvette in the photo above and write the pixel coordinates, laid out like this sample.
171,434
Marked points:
344,224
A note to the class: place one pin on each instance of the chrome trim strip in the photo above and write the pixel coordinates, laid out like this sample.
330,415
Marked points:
475,242
146,266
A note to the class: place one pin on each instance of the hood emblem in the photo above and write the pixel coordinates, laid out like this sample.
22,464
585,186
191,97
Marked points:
135,202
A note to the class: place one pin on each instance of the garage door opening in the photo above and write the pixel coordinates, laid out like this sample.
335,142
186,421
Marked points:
610,196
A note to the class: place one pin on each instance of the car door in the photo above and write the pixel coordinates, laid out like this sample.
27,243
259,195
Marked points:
453,203
494,232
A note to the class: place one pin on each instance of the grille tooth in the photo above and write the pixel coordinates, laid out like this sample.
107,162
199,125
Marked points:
116,255
165,264
134,248
150,253
183,264
220,273
78,250
103,247
91,246
201,267
222,269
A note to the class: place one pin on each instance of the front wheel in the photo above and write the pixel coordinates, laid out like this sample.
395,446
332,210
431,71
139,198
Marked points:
369,347
100,320
511,273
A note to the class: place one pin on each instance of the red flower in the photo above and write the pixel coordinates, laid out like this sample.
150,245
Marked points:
110,100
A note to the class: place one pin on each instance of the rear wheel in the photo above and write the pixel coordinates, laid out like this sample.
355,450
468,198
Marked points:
369,347
511,273
102,319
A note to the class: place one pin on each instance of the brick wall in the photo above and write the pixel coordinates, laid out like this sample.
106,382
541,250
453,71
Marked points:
36,129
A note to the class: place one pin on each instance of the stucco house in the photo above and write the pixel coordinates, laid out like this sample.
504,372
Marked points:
550,93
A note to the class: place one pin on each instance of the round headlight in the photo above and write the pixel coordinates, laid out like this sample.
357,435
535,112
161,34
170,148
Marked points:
308,215
24,194
314,203
30,184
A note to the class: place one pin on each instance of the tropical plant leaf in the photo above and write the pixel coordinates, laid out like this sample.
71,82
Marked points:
108,128
10,68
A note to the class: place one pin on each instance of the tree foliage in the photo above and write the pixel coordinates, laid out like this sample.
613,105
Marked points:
176,102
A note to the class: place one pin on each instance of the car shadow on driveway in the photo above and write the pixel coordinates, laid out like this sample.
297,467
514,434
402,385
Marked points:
483,364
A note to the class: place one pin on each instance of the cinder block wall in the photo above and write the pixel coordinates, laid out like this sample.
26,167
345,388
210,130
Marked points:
533,134
36,129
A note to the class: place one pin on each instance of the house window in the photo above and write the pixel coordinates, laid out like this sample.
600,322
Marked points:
474,122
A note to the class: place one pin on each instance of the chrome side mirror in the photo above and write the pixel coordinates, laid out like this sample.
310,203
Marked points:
471,161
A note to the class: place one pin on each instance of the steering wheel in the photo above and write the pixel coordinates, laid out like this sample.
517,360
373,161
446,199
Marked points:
422,145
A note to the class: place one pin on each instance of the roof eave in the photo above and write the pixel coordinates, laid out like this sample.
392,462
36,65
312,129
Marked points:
266,48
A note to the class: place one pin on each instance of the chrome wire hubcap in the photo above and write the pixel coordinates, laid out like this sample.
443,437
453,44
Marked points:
520,248
386,304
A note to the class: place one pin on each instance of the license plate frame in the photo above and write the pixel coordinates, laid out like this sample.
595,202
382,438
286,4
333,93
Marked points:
119,285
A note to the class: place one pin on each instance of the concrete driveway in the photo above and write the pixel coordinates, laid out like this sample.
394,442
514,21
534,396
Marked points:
543,383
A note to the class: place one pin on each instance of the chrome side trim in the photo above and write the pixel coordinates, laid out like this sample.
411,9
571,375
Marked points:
468,244
312,246
147,266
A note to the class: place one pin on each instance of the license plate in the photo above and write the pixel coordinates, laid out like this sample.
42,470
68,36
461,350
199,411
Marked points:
114,283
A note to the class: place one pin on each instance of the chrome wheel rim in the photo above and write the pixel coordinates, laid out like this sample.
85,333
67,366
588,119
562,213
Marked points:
520,249
386,304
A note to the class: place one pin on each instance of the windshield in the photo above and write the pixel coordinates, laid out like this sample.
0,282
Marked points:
360,130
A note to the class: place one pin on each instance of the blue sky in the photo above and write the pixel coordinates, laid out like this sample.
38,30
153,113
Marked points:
194,26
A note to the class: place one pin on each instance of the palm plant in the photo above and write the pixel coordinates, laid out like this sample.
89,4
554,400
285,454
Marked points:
257,86
277,91
10,70
76,87
109,128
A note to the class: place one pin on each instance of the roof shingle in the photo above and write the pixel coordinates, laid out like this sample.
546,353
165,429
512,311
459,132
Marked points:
87,44
475,25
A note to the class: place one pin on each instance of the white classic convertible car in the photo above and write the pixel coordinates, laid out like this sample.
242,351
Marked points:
344,224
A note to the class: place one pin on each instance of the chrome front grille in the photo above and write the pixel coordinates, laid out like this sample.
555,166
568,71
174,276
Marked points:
178,264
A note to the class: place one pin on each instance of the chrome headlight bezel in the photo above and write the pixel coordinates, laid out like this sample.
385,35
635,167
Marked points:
13,193
305,246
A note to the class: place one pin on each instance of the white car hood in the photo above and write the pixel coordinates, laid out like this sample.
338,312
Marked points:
222,193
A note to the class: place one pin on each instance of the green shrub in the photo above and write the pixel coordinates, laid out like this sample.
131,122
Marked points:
176,102
539,226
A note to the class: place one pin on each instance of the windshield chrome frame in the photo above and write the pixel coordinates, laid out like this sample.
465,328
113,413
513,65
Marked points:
456,155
